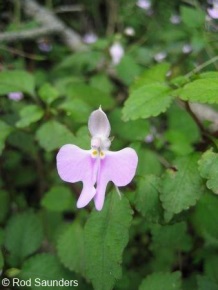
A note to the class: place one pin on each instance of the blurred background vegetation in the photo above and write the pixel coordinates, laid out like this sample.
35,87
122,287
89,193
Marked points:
60,60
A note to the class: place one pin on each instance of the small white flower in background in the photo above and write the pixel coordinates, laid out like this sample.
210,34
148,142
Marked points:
149,138
213,12
15,96
175,19
44,45
116,52
160,56
187,48
129,31
144,4
90,38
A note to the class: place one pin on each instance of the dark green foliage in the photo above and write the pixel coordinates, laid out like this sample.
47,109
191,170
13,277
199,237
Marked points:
162,233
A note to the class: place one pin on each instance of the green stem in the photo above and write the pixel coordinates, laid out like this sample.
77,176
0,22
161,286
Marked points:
201,66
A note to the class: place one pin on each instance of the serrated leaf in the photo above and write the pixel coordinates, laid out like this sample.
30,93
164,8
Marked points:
52,135
167,241
5,131
48,93
181,188
146,101
160,281
156,73
208,168
188,14
205,218
28,115
106,235
23,236
90,95
202,90
147,198
42,269
71,249
16,81
58,198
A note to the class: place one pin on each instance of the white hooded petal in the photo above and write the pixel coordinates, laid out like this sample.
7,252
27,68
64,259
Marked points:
98,124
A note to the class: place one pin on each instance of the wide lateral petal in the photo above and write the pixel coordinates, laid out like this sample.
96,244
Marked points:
118,167
75,164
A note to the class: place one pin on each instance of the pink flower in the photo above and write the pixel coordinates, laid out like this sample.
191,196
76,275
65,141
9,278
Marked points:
15,96
90,38
97,166
213,12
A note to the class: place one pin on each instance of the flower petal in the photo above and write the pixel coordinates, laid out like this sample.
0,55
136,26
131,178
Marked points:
86,195
75,164
118,167
98,124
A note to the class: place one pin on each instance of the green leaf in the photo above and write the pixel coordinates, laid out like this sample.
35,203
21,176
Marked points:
160,281
82,60
16,81
48,93
23,236
58,198
148,161
167,241
202,90
147,198
146,101
139,129
179,118
106,235
71,249
76,109
127,69
82,138
52,135
208,167
28,115
204,283
181,188
205,218
90,95
189,14
5,131
4,204
178,143
211,268
45,268
102,82
156,73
